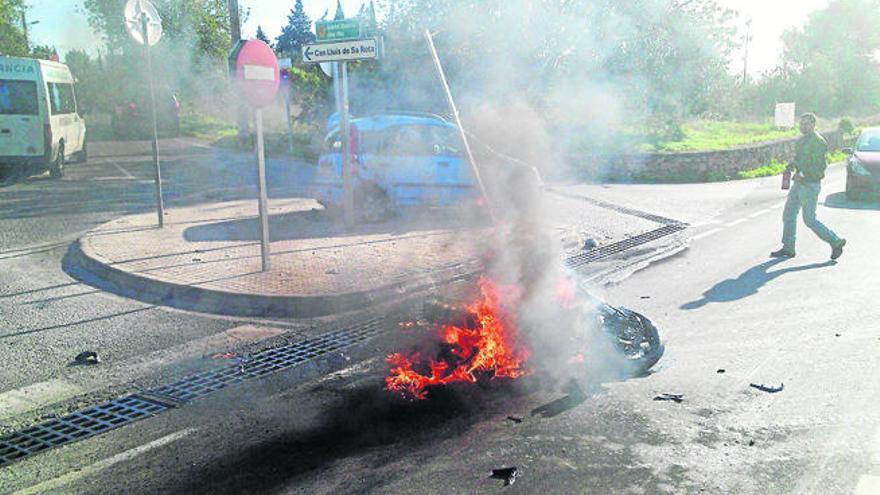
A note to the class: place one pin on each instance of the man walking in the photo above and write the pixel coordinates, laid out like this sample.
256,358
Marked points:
808,168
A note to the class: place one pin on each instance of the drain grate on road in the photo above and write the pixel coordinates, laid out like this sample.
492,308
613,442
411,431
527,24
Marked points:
602,252
81,424
120,412
269,361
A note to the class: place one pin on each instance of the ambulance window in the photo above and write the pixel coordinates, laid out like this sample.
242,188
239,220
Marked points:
18,98
61,98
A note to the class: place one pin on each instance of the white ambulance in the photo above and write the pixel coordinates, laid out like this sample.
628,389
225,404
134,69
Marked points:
40,128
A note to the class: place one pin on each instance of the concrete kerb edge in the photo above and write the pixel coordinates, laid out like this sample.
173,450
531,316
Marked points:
100,272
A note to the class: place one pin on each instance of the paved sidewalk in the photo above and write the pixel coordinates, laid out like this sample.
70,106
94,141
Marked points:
207,258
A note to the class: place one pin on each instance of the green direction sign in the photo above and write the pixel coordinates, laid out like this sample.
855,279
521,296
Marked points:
344,29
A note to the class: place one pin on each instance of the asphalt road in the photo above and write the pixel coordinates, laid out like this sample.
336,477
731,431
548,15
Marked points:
722,305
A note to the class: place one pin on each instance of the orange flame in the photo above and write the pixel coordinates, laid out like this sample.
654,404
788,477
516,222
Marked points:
492,347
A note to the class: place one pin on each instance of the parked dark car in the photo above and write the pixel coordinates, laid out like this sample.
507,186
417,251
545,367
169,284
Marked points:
132,120
863,166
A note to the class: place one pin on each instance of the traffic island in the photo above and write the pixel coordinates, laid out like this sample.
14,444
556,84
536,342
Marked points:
207,258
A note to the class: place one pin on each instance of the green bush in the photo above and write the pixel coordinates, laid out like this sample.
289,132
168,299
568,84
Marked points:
774,168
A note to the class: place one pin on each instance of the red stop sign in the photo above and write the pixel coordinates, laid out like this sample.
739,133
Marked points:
256,71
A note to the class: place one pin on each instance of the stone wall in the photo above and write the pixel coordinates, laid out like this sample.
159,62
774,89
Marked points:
696,166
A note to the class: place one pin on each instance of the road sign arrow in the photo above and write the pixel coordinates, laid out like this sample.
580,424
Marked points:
308,53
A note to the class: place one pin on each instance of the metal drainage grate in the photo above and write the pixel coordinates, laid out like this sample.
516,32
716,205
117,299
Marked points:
119,412
81,424
268,361
602,252
620,209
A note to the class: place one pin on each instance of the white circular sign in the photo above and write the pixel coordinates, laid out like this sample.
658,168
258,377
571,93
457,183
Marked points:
136,11
328,68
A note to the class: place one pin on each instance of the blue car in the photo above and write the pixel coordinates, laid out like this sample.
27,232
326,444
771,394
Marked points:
398,160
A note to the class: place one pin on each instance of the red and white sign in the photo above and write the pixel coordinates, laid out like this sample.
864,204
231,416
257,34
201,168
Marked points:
257,72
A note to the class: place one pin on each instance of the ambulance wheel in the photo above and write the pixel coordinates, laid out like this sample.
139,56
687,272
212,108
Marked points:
56,168
83,155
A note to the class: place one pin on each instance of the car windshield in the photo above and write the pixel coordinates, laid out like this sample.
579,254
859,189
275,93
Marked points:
869,142
18,97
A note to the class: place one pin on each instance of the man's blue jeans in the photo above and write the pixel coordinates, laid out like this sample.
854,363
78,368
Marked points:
804,196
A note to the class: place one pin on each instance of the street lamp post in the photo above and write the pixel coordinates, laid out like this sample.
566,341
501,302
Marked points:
24,27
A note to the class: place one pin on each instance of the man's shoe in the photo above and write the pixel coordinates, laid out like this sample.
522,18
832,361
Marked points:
782,253
837,250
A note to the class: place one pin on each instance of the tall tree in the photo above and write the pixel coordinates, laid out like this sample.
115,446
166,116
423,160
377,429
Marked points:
12,40
297,32
261,35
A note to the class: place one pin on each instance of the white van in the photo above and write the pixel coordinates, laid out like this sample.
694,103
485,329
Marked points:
39,125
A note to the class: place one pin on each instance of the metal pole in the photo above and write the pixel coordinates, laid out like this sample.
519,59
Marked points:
462,134
160,206
289,123
261,184
24,27
235,33
347,179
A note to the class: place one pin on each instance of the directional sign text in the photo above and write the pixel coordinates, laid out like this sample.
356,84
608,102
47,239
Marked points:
341,52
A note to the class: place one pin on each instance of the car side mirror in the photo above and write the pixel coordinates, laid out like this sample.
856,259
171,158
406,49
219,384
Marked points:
847,151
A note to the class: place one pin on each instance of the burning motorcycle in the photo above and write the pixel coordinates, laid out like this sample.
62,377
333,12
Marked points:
482,340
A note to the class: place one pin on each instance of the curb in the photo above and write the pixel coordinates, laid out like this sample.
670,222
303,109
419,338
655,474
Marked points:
83,263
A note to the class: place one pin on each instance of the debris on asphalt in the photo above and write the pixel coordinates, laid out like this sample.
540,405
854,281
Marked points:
88,358
768,388
751,443
590,244
515,419
331,271
507,474
670,397
228,355
645,297
837,335
721,370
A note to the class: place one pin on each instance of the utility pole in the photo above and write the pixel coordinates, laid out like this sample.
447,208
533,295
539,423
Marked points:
746,42
24,27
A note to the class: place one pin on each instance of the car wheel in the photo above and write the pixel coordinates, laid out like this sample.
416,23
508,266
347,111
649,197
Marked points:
851,192
56,168
83,155
372,204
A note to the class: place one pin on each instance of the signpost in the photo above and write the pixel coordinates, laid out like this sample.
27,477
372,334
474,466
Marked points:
258,77
143,23
343,29
340,52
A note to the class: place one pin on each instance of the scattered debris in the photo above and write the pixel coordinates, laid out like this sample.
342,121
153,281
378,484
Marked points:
228,355
590,244
768,388
88,358
837,335
197,260
332,271
751,443
507,474
721,370
677,398
645,297
515,419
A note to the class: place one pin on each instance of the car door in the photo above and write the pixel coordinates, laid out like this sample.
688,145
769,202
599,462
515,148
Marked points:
452,174
408,166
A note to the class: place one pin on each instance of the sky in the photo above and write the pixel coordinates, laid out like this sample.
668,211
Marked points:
62,23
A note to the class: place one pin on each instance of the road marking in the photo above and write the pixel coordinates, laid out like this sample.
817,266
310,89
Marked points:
99,466
124,171
707,234
869,484
760,213
86,380
778,205
736,222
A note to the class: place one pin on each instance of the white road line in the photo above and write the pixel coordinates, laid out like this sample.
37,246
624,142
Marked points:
778,205
736,222
759,213
707,234
124,172
99,466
